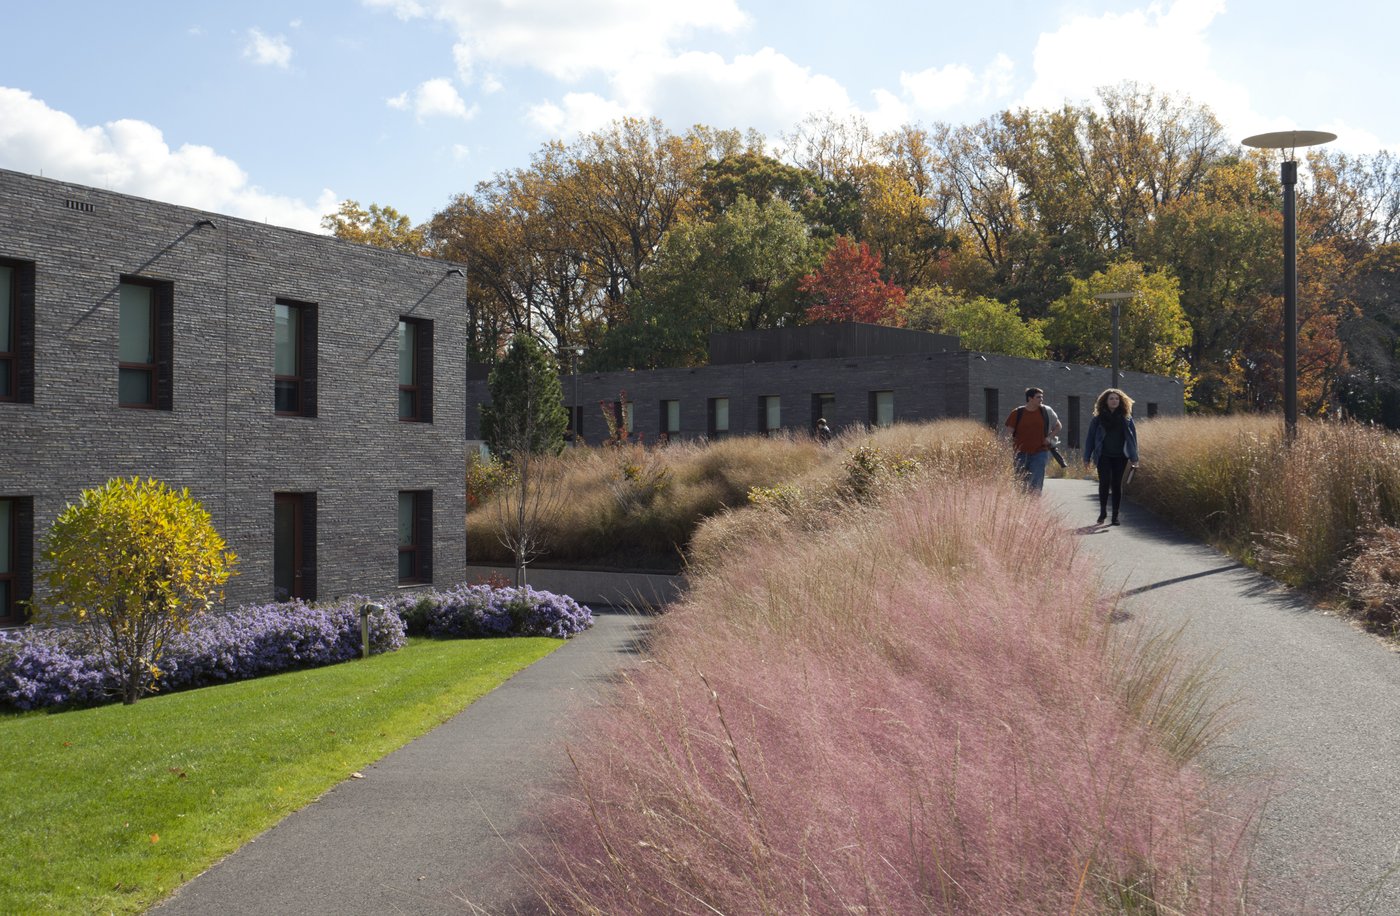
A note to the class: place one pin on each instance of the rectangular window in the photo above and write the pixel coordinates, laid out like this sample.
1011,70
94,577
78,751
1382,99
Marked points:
576,423
1151,408
9,335
770,413
823,406
16,557
992,414
144,331
415,536
294,546
671,417
1073,422
882,408
415,370
294,359
718,418
17,331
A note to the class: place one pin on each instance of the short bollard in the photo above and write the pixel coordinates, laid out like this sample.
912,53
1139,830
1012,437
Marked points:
365,611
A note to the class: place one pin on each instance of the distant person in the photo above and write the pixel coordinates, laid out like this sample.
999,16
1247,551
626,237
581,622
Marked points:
1111,445
823,431
1032,429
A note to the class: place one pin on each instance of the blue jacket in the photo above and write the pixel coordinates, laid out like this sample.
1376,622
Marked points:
1093,440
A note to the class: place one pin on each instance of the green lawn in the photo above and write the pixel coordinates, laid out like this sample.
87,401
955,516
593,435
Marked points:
111,809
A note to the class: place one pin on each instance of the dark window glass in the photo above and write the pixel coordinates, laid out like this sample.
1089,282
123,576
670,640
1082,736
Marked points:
144,322
9,358
16,557
287,359
294,546
415,536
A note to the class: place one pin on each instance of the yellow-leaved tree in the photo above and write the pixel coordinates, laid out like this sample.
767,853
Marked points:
133,562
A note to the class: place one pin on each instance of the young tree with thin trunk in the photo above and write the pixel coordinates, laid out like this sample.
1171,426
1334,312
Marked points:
524,423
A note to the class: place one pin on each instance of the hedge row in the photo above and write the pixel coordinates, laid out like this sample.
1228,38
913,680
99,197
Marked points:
58,666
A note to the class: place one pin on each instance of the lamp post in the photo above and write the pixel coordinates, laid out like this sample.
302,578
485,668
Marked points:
575,420
1288,141
1116,299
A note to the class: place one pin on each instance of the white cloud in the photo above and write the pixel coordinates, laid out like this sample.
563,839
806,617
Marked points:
1165,47
766,91
569,38
132,157
580,112
434,98
267,50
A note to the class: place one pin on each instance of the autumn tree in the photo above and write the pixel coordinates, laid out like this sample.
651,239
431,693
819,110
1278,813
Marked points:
133,563
738,271
382,227
848,287
980,323
1152,329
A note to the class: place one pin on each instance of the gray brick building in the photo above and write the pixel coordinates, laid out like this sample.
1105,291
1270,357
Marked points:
306,390
851,374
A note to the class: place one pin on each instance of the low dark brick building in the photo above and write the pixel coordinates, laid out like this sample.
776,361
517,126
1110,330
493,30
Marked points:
851,374
306,390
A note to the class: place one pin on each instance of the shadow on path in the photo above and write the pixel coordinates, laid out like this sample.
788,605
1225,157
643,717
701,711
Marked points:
1317,702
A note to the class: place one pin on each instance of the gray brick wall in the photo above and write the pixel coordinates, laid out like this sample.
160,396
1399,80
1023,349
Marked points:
222,439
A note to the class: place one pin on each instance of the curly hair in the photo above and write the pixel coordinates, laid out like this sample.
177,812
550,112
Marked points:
1125,403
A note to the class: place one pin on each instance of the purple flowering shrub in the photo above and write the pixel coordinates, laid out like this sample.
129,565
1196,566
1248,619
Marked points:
53,667
474,611
59,666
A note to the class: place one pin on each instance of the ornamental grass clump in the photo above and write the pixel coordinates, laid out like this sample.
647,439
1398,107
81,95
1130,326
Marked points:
916,712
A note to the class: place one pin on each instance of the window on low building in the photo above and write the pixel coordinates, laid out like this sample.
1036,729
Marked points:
1073,421
882,408
294,369
671,418
1152,408
717,419
144,327
992,411
770,414
415,537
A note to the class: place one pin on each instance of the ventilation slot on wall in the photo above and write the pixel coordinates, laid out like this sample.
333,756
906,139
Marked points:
81,206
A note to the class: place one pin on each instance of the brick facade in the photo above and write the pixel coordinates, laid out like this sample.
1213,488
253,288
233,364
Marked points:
220,436
924,386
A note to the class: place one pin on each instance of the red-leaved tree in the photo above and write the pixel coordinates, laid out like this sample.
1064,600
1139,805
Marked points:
848,287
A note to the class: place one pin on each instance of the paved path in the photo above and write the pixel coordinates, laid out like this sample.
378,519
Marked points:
426,830
1317,702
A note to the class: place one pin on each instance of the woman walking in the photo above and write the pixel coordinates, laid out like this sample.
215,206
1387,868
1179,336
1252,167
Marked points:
1111,445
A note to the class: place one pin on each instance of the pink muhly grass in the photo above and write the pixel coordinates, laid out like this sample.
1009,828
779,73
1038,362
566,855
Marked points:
928,724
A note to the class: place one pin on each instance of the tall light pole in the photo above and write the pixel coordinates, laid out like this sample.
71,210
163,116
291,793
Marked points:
1116,299
576,420
1288,141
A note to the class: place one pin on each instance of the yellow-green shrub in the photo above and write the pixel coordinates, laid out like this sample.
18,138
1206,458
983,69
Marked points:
133,562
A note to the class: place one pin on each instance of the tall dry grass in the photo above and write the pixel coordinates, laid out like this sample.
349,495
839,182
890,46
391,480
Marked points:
914,712
641,506
1302,513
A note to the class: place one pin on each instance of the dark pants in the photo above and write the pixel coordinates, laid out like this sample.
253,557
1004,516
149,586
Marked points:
1111,482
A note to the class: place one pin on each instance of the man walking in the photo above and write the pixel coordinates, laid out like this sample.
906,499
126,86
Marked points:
1032,430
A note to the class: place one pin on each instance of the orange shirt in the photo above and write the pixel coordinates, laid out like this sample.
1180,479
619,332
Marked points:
1029,435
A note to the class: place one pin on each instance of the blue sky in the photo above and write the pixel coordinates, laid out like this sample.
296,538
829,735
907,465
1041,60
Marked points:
276,111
